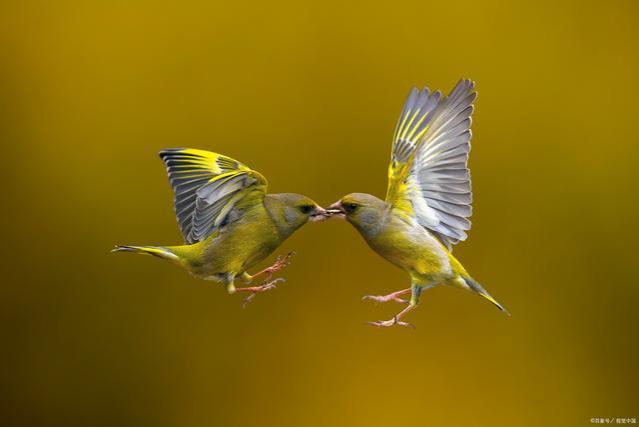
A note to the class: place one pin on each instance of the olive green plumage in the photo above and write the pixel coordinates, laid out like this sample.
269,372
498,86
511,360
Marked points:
228,221
429,196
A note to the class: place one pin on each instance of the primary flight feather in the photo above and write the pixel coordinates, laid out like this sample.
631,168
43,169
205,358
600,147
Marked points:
228,221
428,201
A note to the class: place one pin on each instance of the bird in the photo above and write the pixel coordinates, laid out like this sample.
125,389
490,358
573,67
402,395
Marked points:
428,199
228,221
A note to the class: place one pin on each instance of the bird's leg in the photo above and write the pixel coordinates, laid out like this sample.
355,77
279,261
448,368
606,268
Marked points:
279,264
254,290
395,296
267,284
416,292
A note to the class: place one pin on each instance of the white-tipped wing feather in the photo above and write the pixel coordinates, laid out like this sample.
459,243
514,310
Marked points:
428,174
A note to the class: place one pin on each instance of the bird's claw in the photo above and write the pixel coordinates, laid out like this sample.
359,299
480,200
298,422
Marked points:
392,322
272,284
280,263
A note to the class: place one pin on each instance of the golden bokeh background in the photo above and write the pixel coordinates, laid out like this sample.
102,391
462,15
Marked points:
308,94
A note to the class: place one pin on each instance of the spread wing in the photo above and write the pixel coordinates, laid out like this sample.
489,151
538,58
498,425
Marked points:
428,177
207,186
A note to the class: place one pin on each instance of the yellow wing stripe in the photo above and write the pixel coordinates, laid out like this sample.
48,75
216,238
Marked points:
197,173
409,126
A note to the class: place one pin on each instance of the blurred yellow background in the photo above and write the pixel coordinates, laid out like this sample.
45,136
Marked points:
308,94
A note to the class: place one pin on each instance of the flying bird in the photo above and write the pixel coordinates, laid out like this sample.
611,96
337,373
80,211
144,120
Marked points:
228,221
428,200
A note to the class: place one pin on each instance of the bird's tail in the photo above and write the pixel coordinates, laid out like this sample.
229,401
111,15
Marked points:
158,251
474,286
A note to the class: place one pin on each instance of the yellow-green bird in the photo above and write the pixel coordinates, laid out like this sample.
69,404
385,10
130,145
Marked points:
428,200
228,221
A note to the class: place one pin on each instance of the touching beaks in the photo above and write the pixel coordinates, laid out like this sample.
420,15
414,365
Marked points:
337,210
319,214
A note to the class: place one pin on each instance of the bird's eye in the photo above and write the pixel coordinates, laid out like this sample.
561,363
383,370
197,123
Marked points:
306,209
350,207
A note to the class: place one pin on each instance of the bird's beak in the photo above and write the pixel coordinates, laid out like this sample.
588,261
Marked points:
319,214
337,210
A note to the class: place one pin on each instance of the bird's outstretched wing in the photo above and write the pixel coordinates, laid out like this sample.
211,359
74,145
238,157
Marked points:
207,186
428,176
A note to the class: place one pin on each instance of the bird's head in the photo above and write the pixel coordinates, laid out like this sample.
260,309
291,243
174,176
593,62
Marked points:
295,210
358,208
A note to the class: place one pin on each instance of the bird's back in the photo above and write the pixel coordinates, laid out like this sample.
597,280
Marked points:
410,246
238,245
